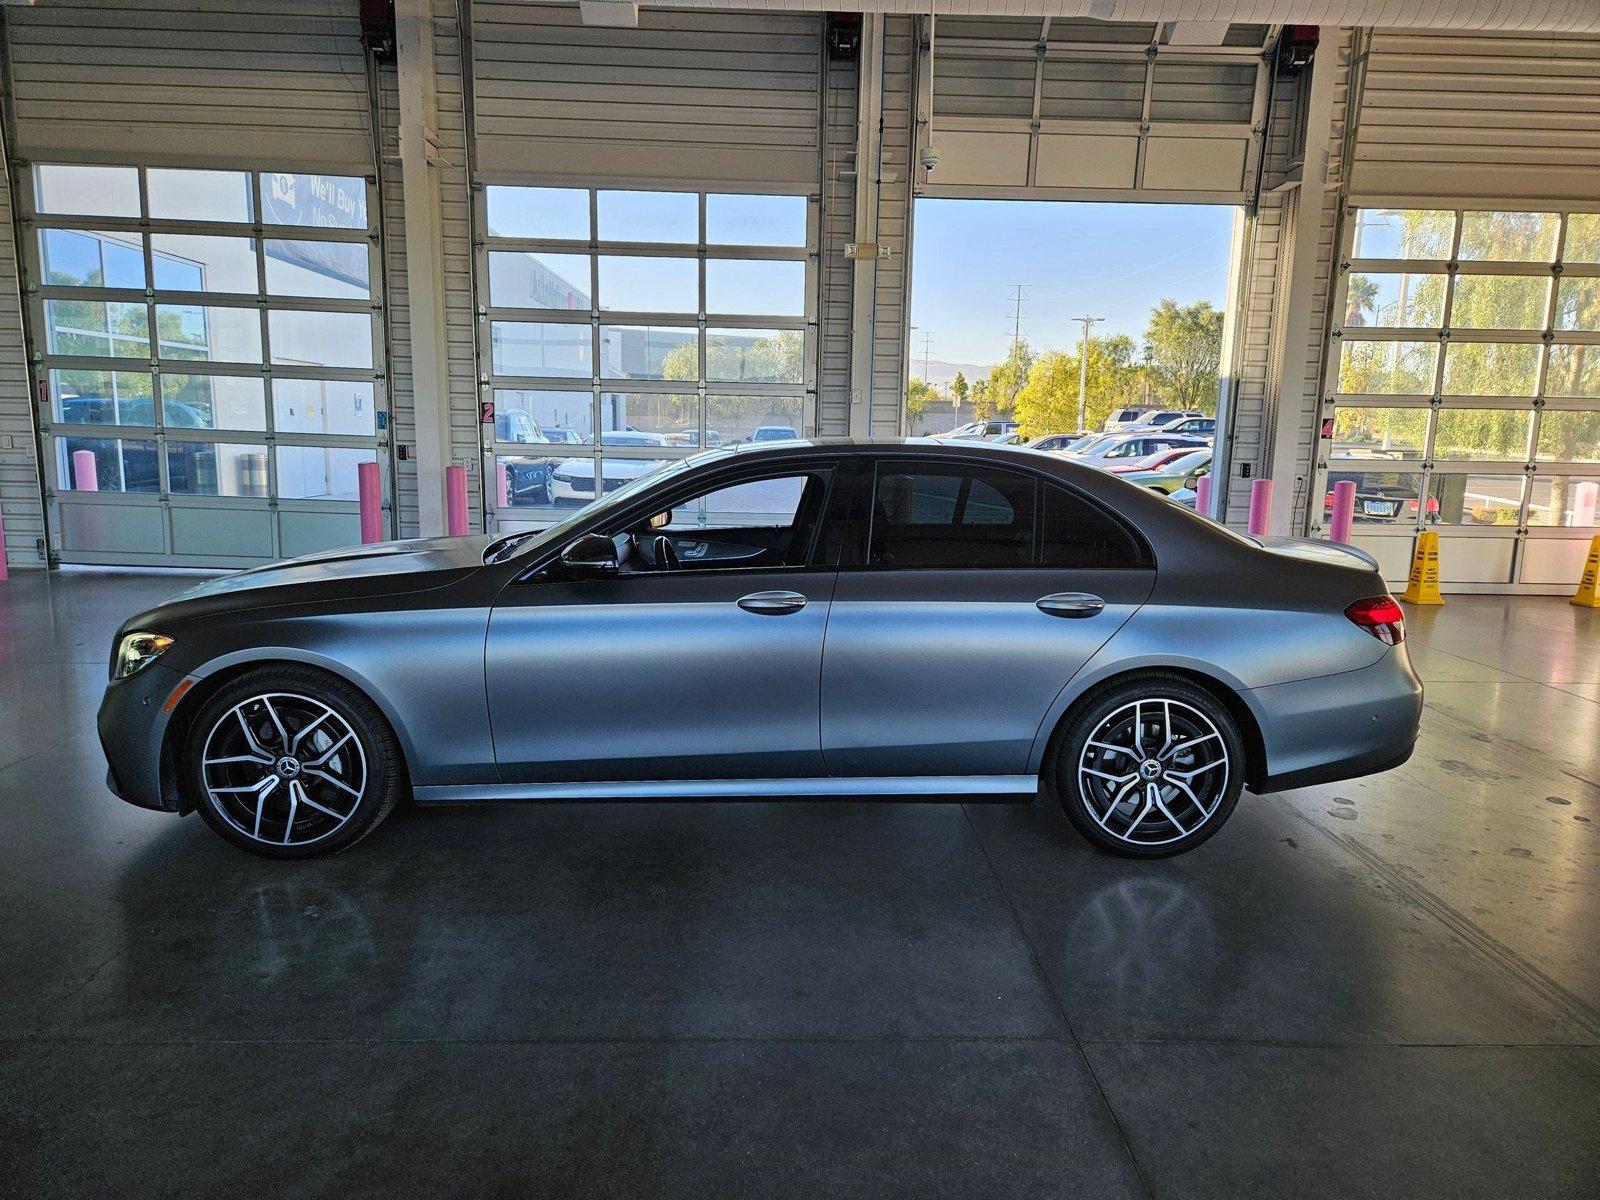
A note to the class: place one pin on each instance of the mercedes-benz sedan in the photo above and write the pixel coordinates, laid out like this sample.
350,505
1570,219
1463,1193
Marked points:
927,619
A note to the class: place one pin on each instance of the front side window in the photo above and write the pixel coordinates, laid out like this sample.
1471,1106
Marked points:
949,516
760,523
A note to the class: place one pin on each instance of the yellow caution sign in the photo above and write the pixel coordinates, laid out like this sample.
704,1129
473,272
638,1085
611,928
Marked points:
1588,593
1423,586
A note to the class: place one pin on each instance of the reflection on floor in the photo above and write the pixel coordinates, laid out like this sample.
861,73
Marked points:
1389,987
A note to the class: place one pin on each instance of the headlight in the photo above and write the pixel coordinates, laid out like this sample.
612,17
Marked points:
136,651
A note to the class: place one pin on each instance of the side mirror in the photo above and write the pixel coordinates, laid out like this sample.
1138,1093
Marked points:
661,520
593,556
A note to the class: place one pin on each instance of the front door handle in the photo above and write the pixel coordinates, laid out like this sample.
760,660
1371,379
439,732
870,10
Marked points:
772,604
1071,604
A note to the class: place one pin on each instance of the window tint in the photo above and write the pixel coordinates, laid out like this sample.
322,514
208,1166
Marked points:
952,517
1075,533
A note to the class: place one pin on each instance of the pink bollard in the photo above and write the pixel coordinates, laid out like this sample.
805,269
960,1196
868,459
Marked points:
1344,511
1584,498
1202,495
85,473
367,487
1260,506
502,486
455,501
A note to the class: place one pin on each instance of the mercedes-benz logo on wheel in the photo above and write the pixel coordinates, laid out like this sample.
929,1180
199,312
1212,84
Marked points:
288,768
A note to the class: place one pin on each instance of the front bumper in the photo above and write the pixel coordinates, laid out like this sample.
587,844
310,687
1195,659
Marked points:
1339,726
132,727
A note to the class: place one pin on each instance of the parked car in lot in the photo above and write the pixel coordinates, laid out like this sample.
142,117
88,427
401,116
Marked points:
1126,418
1168,476
978,431
1127,447
1205,427
530,479
858,619
573,480
1057,441
1166,418
775,433
132,464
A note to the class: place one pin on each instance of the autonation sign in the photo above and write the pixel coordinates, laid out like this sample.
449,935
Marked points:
321,202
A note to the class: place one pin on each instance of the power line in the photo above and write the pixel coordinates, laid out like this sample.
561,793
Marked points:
927,341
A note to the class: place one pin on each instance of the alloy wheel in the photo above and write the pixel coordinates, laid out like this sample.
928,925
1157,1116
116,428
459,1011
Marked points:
1154,771
284,769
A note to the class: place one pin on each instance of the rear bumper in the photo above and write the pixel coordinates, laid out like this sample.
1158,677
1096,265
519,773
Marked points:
132,727
1340,726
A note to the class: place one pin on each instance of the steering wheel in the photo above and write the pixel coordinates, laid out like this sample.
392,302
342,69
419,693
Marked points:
666,554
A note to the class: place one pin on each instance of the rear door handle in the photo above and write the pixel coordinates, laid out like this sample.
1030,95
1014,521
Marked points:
772,604
1071,604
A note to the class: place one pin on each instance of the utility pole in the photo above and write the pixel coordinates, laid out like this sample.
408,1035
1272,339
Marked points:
1083,368
927,341
1017,297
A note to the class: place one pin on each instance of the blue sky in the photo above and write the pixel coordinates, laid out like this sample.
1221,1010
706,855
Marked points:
1103,260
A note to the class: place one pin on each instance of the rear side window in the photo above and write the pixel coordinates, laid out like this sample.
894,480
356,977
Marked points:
1076,533
950,516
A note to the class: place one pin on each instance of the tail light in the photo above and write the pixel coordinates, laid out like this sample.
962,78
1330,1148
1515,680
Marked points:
1380,616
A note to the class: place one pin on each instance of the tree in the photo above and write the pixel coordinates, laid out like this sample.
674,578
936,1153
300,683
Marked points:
920,394
1007,379
1048,403
959,389
1183,349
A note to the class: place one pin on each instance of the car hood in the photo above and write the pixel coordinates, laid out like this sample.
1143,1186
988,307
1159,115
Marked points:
1311,550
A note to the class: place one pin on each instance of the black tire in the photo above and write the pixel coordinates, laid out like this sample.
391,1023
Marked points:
1083,778
307,830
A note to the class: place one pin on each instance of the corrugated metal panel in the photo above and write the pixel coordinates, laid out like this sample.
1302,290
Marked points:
697,97
892,299
455,219
19,471
835,275
178,81
1481,116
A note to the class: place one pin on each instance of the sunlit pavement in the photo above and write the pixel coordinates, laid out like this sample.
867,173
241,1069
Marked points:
1387,987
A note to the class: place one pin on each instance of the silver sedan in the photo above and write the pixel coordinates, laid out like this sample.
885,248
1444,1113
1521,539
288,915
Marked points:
919,619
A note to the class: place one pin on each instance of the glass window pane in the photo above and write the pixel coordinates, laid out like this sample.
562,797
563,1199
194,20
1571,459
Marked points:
340,406
1509,236
649,352
573,479
670,285
952,517
91,258
322,201
757,504
754,418
526,482
1403,233
198,195
1394,300
88,327
1076,533
1386,368
198,263
1566,501
107,465
534,348
1490,434
87,191
1573,371
543,417
326,270
529,280
755,288
1578,304
756,220
321,472
1487,369
320,339
1569,436
1583,238
1499,302
1475,500
649,217
527,212
1384,433
213,401
755,356
1382,497
102,397
650,418
194,331
216,469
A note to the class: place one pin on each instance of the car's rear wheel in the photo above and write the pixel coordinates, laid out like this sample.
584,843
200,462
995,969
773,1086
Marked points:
1149,768
289,762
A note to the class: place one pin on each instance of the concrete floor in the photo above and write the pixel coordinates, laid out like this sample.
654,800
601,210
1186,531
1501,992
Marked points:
1388,987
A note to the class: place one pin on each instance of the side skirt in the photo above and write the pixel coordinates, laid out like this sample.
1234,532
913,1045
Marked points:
910,787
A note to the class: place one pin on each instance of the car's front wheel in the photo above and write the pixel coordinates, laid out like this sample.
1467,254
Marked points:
290,762
1149,768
